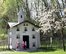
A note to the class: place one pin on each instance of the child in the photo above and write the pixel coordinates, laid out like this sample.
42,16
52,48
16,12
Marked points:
24,45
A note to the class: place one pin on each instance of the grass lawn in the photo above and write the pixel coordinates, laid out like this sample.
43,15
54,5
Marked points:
40,51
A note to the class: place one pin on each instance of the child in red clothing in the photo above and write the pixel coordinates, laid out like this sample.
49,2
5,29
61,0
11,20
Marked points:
24,45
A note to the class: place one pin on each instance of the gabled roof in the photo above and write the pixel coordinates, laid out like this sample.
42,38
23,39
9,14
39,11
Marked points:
28,22
11,24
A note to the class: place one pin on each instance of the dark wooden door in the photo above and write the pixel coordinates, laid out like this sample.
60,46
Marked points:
26,38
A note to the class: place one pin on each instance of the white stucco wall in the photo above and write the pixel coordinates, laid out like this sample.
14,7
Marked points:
29,32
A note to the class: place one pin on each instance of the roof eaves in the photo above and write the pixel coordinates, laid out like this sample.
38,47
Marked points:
28,22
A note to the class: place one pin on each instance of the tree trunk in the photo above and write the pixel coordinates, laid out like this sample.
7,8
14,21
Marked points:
50,41
62,36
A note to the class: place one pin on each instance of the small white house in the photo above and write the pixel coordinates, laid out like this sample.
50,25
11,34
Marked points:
21,31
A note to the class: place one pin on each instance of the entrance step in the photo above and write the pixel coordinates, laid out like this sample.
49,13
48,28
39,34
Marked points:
26,50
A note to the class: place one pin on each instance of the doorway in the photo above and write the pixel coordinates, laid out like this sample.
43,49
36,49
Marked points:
26,38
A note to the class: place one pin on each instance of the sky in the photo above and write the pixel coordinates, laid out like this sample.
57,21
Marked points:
60,1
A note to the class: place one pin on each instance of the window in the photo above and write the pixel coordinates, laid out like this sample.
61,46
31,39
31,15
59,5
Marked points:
25,24
25,29
21,16
33,29
33,36
34,44
18,36
17,29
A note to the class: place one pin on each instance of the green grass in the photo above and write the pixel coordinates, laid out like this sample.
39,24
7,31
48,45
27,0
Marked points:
43,50
39,51
16,52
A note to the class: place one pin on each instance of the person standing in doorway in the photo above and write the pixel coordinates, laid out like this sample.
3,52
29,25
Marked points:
24,44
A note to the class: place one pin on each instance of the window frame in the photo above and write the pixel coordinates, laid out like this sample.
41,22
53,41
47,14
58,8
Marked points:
18,29
33,37
33,29
25,28
33,45
25,24
21,16
18,36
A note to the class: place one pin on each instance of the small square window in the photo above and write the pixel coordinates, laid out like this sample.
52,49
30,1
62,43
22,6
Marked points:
17,29
33,29
18,36
33,36
25,29
21,16
34,44
26,24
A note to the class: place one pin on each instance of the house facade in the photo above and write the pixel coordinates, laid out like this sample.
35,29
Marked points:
21,31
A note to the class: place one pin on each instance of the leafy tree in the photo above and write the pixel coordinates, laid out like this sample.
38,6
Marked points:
51,16
10,8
